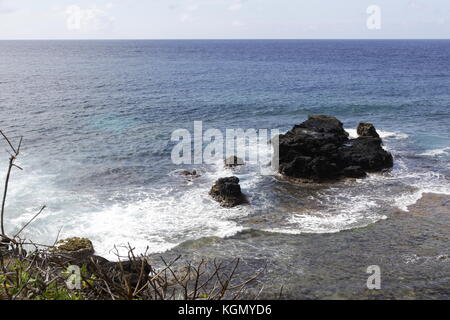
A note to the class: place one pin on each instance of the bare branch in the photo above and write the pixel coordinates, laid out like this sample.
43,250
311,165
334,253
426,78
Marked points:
9,142
31,220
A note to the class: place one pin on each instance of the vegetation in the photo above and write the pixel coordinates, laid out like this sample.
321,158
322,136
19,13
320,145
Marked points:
42,274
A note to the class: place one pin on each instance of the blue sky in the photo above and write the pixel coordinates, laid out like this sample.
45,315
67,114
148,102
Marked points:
221,19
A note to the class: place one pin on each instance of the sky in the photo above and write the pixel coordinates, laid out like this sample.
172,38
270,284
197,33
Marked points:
224,19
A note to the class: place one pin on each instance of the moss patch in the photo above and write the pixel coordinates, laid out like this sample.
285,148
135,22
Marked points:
74,245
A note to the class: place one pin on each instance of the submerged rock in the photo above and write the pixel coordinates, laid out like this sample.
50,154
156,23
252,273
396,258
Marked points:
431,203
319,149
227,192
190,173
233,161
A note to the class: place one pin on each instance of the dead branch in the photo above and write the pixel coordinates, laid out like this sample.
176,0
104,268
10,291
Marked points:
12,159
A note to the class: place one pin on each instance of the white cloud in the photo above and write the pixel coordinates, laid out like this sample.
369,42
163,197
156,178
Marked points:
237,23
92,18
186,17
193,7
189,12
236,5
5,7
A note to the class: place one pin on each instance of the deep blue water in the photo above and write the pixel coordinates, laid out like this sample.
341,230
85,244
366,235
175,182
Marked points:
97,118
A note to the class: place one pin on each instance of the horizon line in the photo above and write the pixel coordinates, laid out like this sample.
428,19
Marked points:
209,39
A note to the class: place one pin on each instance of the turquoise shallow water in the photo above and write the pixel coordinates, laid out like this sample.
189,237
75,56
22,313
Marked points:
97,118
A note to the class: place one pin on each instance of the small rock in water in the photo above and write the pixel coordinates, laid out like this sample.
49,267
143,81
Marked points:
233,161
227,192
366,129
190,173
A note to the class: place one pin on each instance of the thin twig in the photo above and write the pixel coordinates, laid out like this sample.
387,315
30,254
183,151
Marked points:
31,220
12,158
9,142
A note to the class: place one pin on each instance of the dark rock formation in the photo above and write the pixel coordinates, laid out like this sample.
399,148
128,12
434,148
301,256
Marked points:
367,153
319,149
227,192
233,161
354,172
366,129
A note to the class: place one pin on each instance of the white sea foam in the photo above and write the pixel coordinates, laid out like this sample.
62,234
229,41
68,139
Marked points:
418,183
160,221
160,218
436,152
408,199
341,214
383,134
170,216
163,221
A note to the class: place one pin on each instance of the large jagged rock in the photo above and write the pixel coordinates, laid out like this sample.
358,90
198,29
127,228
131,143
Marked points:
320,149
227,192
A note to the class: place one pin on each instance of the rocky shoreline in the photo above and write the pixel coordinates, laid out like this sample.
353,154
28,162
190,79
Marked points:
318,150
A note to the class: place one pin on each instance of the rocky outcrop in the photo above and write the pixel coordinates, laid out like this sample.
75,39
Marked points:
75,248
366,129
320,149
227,192
233,161
80,251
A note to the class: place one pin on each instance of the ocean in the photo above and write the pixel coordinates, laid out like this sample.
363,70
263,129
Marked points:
97,119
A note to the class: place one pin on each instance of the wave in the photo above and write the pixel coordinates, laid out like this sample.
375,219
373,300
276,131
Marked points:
351,213
404,201
162,219
436,152
152,220
383,134
411,184
159,218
